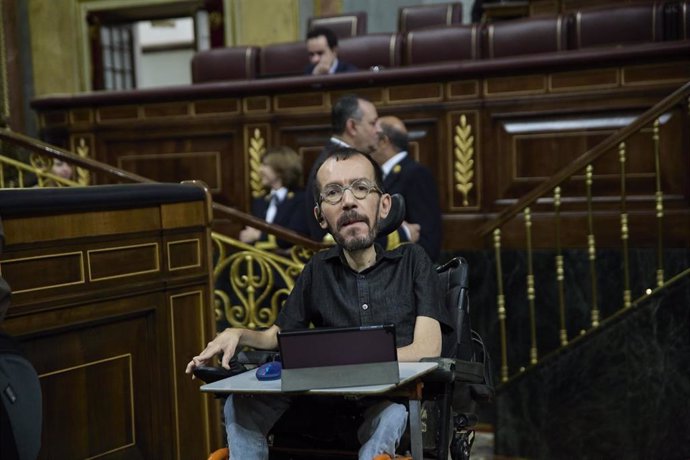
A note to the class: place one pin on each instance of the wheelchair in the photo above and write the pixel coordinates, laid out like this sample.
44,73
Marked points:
450,393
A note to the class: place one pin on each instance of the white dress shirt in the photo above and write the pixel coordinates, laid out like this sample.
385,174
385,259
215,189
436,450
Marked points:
277,196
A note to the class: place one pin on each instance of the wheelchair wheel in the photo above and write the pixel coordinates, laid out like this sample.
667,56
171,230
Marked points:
461,445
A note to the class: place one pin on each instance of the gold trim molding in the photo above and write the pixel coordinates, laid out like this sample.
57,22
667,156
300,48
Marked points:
256,151
155,259
197,254
463,159
128,357
84,146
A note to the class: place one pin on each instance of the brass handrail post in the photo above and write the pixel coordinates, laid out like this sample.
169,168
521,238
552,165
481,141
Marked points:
533,354
560,269
591,246
249,278
659,207
501,305
624,228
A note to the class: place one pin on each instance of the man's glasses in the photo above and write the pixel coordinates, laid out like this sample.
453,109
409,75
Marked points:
360,188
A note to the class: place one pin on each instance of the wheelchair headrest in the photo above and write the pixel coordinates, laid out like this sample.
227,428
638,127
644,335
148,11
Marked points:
395,216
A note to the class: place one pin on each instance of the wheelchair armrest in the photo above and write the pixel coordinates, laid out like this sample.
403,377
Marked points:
257,357
238,364
458,370
210,374
469,372
444,373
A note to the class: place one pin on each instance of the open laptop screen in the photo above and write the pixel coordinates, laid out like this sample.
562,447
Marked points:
337,346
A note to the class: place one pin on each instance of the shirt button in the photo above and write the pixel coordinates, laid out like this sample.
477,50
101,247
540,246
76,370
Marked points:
365,306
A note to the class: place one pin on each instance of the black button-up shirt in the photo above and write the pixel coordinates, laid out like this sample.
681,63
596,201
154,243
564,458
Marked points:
400,286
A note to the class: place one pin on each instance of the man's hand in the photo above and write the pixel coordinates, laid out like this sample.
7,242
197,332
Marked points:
249,235
413,230
225,343
323,66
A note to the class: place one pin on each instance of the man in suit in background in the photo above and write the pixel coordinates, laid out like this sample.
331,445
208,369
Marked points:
403,175
353,120
322,46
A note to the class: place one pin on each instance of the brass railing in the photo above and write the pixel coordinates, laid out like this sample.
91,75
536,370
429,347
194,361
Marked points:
250,283
551,191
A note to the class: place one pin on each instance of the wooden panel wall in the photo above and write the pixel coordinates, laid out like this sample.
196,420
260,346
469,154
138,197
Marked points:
109,307
512,129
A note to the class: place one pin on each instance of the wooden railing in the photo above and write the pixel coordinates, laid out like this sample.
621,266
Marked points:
255,281
552,193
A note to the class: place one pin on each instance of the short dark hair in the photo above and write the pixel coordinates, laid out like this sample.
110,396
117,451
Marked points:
398,138
345,108
331,37
340,154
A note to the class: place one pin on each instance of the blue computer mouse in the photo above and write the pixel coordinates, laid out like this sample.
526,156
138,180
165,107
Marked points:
269,371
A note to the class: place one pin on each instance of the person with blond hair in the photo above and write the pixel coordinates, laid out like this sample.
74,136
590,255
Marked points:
281,174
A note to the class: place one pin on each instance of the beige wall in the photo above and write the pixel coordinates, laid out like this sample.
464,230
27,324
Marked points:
260,22
54,47
58,35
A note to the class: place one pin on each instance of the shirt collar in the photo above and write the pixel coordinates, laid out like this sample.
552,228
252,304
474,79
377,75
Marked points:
392,161
333,66
336,253
339,142
281,193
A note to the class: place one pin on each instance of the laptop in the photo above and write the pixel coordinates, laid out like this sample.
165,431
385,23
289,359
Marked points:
338,357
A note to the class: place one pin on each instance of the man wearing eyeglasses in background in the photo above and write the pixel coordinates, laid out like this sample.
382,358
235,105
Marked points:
355,283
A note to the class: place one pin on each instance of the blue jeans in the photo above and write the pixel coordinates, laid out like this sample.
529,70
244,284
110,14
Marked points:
248,419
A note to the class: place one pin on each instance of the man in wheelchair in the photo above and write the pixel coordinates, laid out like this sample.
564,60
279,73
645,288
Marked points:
355,283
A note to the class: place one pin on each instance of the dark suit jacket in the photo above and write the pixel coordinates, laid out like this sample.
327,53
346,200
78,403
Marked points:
342,67
416,184
289,214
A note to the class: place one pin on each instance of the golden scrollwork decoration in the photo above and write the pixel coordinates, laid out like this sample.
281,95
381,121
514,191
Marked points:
40,162
463,165
251,284
300,255
83,174
257,148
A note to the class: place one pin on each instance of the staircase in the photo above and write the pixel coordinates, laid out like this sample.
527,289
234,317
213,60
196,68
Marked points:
591,340
620,393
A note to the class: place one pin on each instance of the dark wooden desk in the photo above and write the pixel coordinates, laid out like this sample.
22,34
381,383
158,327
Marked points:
111,297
